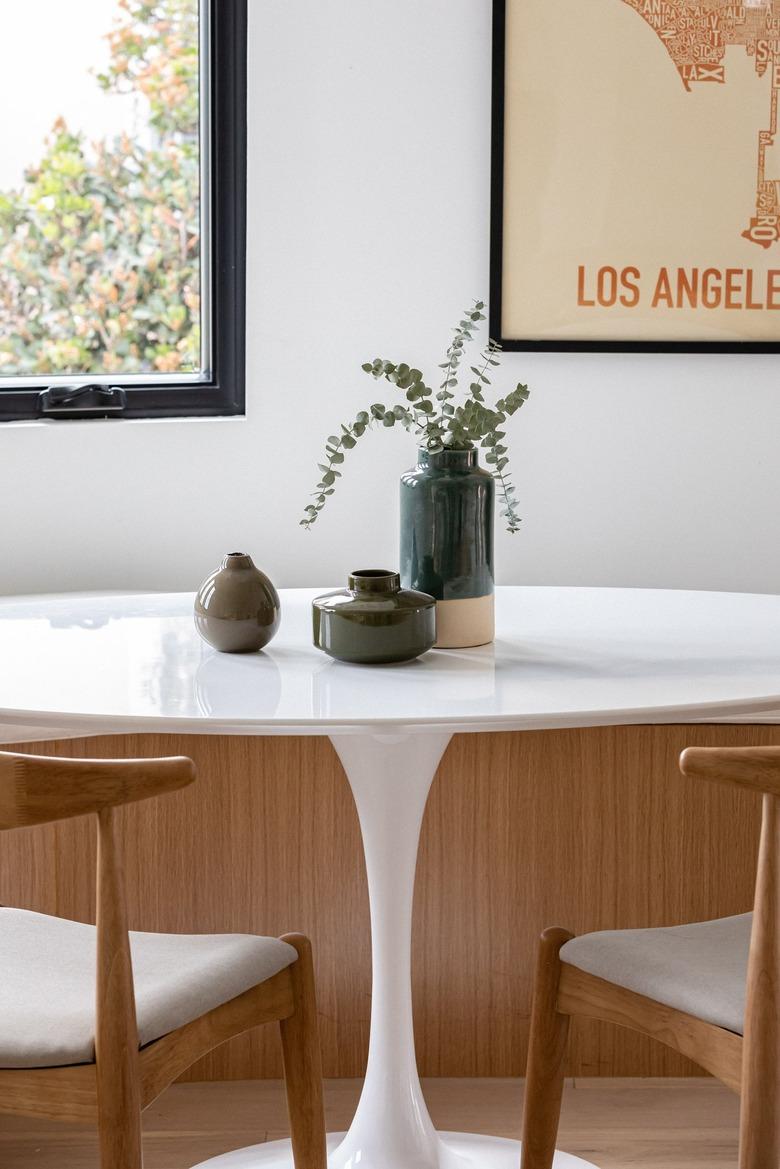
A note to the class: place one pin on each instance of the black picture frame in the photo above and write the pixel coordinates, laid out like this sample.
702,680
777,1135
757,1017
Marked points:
225,393
514,344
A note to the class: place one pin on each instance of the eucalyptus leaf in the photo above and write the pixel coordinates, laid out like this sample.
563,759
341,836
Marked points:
434,420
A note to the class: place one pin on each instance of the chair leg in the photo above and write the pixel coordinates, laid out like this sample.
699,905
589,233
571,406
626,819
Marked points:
117,1070
759,1136
302,1065
546,1055
119,1133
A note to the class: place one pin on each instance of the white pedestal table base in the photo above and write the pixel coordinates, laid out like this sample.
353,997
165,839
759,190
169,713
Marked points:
390,775
457,1150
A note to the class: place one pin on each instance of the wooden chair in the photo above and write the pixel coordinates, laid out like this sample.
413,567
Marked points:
710,991
68,1053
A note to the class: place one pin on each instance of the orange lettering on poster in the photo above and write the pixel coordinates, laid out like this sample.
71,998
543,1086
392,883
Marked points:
773,288
734,288
681,288
663,290
630,279
711,289
581,299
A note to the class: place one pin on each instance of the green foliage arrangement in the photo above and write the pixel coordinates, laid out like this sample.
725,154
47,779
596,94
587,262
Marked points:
100,245
436,419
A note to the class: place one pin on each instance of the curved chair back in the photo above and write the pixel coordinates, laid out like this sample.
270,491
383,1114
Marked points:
757,768
36,789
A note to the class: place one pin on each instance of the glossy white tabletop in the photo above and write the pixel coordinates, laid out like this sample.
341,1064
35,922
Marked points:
562,657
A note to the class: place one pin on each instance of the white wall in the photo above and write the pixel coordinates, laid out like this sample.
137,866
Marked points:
368,201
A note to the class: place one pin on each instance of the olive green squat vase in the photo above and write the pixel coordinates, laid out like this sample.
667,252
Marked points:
447,505
237,608
373,620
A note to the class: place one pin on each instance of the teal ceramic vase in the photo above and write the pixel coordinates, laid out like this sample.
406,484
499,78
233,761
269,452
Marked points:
447,507
373,620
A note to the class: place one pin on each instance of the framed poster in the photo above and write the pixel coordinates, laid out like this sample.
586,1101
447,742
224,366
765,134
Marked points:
636,175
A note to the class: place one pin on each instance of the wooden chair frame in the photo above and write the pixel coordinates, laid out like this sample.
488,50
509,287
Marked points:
123,1080
749,1066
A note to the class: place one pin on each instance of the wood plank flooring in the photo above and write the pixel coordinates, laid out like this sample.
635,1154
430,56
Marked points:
617,1124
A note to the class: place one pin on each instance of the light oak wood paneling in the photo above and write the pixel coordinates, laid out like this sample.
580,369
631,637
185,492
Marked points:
589,829
647,1124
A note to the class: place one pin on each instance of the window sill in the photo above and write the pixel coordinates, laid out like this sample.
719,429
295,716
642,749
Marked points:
95,423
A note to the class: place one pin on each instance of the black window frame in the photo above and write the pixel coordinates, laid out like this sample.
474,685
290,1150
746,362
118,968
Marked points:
224,393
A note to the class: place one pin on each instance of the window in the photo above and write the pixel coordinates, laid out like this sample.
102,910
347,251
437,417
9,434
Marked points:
122,206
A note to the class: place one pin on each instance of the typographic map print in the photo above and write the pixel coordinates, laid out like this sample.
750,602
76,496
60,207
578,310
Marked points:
696,36
641,172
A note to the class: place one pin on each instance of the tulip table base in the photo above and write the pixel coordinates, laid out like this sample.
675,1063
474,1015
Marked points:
455,1150
390,774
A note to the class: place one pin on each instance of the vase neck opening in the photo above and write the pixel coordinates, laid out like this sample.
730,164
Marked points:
448,459
237,560
374,580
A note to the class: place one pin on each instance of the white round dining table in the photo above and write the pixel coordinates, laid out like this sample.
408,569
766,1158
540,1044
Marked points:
80,664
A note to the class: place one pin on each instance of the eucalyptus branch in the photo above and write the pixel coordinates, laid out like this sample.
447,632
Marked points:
505,408
497,457
434,419
463,335
411,382
488,357
334,454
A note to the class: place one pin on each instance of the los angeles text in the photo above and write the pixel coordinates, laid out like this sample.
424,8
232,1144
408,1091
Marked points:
679,288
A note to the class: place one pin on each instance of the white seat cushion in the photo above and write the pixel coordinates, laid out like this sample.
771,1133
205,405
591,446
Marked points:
700,969
47,983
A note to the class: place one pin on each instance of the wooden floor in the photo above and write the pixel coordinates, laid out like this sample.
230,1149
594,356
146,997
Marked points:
617,1124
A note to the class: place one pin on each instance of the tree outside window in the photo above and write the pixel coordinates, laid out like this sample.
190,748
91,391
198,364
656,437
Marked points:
100,244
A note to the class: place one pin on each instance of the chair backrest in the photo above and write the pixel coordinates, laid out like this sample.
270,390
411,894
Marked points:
35,789
757,768
38,789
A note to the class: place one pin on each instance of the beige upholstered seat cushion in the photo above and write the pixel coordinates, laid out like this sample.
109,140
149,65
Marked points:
47,983
700,969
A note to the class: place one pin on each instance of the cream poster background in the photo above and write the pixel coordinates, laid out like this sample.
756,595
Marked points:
611,164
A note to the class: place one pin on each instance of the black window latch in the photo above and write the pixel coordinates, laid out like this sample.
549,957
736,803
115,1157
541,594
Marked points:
82,401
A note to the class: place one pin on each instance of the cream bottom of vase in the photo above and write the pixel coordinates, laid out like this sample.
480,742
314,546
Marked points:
460,624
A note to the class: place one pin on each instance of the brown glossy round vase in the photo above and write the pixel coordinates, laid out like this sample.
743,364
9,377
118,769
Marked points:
237,608
373,621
